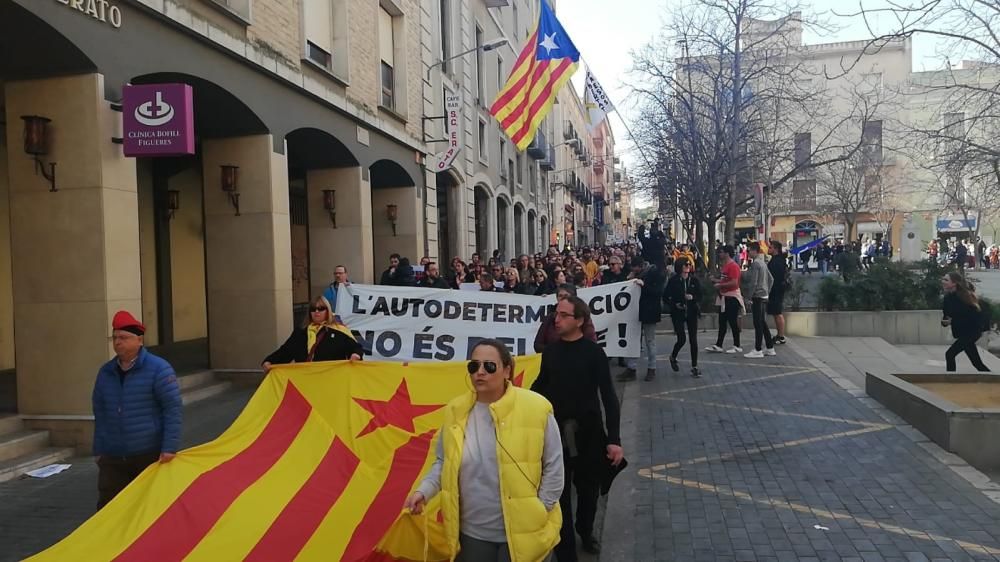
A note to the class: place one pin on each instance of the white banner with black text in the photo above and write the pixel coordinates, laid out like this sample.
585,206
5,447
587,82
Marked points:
415,324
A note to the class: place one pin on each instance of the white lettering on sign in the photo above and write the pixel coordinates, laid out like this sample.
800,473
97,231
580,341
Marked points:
453,115
101,10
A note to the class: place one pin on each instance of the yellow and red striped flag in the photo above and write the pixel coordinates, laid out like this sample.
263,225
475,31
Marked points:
545,64
316,468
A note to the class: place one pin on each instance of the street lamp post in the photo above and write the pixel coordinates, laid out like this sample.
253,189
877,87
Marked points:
486,47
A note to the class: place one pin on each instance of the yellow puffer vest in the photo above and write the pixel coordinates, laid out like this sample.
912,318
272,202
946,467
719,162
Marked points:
520,418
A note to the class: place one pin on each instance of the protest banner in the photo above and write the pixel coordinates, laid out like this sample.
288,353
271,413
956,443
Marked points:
415,324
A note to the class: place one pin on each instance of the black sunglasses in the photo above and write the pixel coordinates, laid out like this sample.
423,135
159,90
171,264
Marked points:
318,309
489,366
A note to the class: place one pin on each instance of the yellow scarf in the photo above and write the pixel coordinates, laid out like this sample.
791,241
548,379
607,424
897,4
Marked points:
311,332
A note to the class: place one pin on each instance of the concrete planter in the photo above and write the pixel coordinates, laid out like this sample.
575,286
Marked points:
906,327
968,432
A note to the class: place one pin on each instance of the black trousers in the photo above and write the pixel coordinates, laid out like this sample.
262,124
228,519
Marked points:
115,473
583,463
689,324
730,317
968,345
760,329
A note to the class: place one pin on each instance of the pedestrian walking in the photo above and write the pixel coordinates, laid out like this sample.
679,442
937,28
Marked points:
320,338
759,284
778,266
576,378
683,296
649,277
137,410
804,257
548,333
729,301
615,273
499,437
963,312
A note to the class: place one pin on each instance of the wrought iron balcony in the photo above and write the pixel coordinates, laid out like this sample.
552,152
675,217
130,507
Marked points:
539,147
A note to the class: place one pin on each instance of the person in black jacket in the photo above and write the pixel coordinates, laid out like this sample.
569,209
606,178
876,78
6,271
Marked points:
683,295
386,278
432,279
403,276
320,338
963,313
650,278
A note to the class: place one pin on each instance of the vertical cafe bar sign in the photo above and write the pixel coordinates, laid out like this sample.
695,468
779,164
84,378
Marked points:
158,120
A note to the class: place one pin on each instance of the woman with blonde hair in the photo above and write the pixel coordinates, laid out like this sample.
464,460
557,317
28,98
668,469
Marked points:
964,314
321,337
497,437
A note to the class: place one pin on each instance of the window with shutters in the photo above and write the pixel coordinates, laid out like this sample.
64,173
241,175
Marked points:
483,142
803,195
803,149
324,27
480,79
445,13
386,43
871,140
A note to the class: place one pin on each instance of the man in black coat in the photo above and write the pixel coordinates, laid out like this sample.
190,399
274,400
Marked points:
388,273
650,277
432,278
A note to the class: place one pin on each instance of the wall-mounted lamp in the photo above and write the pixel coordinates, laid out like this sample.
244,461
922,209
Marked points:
330,204
230,184
392,213
173,202
36,144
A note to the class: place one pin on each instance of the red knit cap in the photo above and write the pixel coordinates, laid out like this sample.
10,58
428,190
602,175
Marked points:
123,320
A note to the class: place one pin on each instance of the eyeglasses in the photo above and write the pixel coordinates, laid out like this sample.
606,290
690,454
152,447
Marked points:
318,309
489,366
565,315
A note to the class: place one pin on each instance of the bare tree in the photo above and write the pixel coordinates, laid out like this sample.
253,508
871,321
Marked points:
723,93
853,187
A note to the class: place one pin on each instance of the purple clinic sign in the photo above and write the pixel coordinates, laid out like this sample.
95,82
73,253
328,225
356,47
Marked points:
158,120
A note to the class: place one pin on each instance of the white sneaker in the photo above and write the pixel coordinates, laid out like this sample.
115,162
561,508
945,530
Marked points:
770,352
755,354
734,349
714,349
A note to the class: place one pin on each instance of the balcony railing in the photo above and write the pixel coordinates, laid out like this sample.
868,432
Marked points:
539,148
549,162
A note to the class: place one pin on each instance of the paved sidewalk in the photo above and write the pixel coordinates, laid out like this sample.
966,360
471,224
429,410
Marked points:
35,514
782,458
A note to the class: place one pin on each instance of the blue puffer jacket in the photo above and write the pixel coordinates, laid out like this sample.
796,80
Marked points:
140,415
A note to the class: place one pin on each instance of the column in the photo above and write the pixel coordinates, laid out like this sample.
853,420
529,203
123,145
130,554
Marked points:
249,264
349,244
74,252
408,238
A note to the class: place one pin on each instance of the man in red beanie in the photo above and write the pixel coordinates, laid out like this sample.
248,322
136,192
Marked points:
137,410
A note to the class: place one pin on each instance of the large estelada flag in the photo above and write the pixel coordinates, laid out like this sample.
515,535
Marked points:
316,468
545,64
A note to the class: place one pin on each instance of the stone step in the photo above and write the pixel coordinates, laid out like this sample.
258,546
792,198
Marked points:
205,391
15,467
22,442
192,380
10,423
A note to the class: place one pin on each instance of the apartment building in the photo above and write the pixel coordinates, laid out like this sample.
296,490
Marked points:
271,141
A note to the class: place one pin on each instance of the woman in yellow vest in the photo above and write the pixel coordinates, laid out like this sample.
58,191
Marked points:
499,467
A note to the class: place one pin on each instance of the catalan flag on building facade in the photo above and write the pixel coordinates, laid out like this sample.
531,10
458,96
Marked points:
545,64
316,468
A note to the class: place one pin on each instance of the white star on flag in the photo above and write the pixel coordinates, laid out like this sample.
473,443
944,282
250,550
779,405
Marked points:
550,43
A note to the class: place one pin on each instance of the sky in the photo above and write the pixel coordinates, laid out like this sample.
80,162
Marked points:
606,32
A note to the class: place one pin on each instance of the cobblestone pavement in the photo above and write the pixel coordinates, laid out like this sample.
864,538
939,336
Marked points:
780,459
35,514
